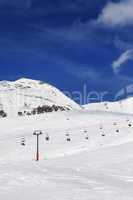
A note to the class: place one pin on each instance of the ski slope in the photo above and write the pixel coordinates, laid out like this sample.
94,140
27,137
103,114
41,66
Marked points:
97,164
122,106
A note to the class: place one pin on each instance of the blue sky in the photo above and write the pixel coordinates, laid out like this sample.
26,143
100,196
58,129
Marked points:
68,43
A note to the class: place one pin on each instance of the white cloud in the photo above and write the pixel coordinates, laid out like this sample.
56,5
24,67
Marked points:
119,63
117,14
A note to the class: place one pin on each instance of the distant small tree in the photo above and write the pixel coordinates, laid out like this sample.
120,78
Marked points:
55,108
28,113
47,109
33,112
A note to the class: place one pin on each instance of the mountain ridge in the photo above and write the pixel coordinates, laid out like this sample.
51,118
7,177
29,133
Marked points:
25,95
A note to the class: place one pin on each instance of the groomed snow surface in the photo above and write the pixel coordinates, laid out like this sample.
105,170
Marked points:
97,164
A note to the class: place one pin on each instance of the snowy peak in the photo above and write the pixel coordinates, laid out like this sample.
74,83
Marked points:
25,95
26,80
31,82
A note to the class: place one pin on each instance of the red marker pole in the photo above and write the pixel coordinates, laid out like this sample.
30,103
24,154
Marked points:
37,133
37,152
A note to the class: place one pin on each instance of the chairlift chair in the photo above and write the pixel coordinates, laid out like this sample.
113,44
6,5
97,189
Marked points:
47,138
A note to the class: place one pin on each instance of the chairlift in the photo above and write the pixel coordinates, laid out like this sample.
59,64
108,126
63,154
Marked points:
68,139
47,138
87,138
114,123
85,131
23,142
129,125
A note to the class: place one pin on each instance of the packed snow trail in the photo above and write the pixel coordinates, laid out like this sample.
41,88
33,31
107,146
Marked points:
96,164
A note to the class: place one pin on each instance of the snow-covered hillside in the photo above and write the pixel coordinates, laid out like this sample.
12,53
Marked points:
123,106
96,163
85,154
24,95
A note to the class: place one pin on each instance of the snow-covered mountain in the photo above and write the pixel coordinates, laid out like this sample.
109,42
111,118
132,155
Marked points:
25,95
123,106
